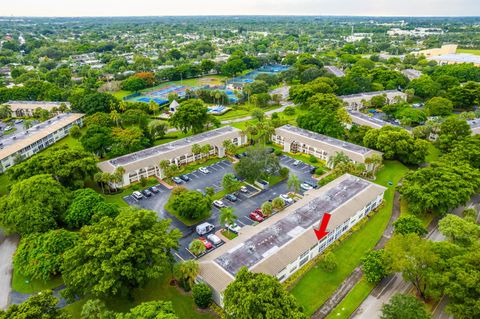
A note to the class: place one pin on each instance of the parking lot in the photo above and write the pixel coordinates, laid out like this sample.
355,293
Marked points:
245,204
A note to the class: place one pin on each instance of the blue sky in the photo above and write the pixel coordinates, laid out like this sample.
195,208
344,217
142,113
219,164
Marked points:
239,7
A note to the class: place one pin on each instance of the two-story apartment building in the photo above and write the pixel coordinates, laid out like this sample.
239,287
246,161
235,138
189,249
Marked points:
286,241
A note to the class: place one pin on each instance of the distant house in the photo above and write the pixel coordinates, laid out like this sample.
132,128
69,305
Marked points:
173,106
334,70
412,74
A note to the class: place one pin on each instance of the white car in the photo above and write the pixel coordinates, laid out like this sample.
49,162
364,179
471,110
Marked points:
244,189
137,195
214,239
286,199
305,186
204,170
219,204
296,163
234,228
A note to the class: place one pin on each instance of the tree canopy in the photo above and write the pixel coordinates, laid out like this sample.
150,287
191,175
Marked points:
253,295
191,115
118,254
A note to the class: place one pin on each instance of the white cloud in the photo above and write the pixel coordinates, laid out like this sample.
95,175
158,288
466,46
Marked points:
239,7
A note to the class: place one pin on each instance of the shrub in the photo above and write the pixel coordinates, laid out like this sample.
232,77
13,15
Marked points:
329,262
143,181
267,208
313,159
278,152
289,110
284,171
202,295
319,171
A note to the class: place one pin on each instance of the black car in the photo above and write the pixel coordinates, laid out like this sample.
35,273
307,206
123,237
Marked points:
231,197
185,178
313,170
154,189
146,193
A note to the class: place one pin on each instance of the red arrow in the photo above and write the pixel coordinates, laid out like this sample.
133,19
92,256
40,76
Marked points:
320,233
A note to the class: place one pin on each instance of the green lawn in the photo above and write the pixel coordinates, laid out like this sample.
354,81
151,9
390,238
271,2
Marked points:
27,286
229,234
121,94
471,51
352,300
159,289
316,286
433,154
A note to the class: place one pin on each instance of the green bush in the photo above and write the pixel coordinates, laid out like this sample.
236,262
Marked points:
289,110
278,152
202,295
329,262
319,171
313,159
284,171
143,181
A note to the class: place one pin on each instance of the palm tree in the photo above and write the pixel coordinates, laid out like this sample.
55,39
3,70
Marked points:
153,107
5,111
227,216
338,158
293,183
278,203
196,247
376,161
27,124
206,149
122,106
267,208
115,117
119,171
196,149
186,272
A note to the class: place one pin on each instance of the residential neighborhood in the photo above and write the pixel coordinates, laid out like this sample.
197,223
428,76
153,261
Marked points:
239,160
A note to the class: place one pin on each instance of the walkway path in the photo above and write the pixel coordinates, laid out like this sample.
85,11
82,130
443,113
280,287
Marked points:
8,245
356,275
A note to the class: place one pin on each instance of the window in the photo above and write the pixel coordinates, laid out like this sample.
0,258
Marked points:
303,261
304,254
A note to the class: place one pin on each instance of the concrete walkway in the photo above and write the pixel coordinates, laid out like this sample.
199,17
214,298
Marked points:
8,245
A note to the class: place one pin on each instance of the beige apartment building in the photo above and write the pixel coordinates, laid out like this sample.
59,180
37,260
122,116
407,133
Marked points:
26,108
285,242
294,139
25,144
145,163
356,101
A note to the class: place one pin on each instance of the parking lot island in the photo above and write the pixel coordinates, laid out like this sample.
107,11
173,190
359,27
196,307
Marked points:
294,139
145,163
285,242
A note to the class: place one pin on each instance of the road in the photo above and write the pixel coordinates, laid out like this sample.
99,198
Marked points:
8,245
372,305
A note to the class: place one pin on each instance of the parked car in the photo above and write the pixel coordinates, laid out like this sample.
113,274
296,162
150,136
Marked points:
208,245
256,217
244,189
147,193
204,228
214,239
18,121
154,189
234,228
286,199
313,170
313,184
137,195
305,186
258,211
204,170
177,180
231,197
185,178
219,204
296,163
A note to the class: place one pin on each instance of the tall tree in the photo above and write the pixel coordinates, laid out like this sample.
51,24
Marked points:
119,254
191,115
187,272
42,305
256,295
404,307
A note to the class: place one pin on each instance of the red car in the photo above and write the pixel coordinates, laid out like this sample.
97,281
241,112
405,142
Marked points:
207,244
256,217
258,211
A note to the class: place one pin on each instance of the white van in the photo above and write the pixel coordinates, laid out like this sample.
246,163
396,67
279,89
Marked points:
204,228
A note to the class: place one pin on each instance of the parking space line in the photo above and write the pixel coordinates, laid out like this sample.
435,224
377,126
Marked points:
211,167
179,256
240,222
248,219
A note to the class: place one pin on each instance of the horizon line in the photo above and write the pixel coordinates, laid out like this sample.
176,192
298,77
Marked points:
241,15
